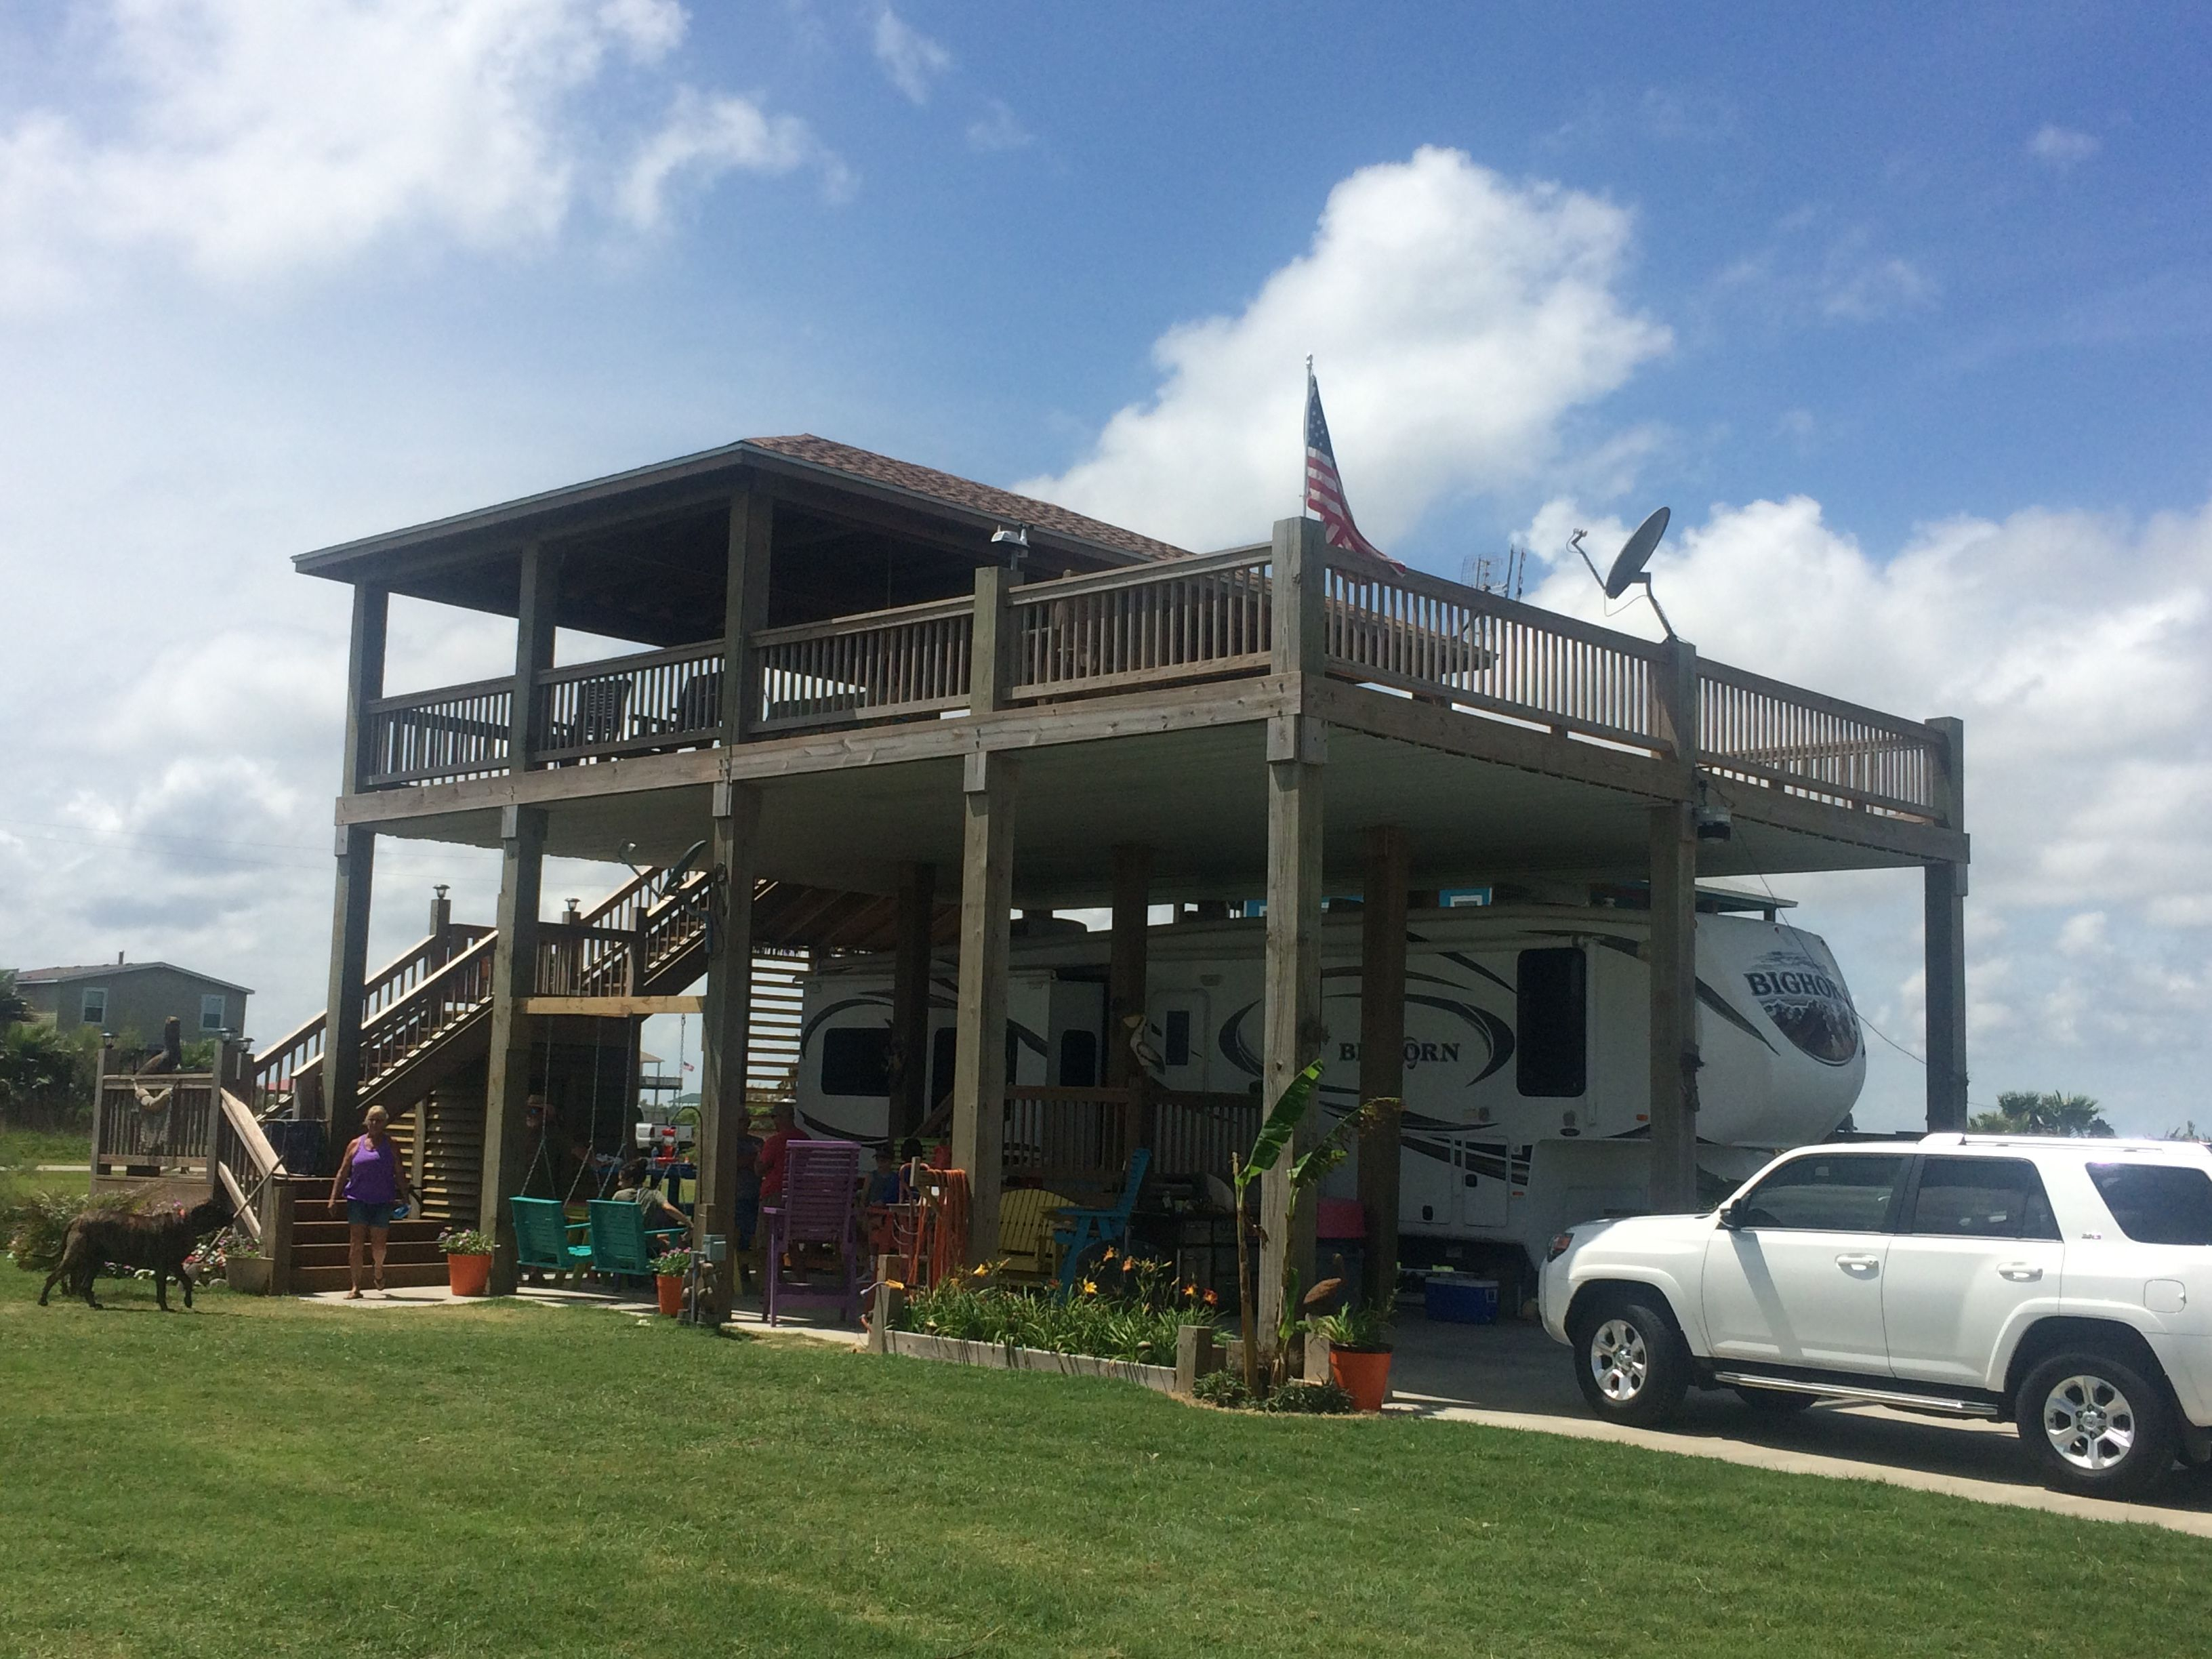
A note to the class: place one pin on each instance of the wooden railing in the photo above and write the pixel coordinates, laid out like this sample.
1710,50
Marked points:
653,700
166,1120
278,1068
1201,1133
1479,650
447,999
1068,1137
1762,732
1173,621
885,665
453,732
1192,619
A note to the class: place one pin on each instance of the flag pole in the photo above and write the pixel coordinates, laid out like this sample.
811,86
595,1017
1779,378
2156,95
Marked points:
1305,413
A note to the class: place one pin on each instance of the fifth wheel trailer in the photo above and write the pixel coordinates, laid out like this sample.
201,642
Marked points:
1527,1104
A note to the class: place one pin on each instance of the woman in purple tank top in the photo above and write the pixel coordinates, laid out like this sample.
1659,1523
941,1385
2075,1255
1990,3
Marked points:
371,1182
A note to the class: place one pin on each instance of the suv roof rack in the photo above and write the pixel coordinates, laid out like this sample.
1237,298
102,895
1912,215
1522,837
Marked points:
2098,1143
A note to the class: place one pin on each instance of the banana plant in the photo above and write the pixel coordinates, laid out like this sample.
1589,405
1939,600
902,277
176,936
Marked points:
1274,1138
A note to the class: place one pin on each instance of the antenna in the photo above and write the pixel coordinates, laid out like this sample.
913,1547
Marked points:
1628,565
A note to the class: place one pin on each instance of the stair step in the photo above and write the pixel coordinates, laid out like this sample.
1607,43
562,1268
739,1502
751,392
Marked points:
334,1255
396,1275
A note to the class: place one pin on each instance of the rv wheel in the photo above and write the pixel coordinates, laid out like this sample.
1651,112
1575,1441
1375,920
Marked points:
1631,1363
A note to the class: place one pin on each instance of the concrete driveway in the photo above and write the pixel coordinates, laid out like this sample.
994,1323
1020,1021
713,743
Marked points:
1513,1375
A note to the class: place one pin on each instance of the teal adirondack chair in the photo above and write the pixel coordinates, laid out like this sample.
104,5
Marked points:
543,1240
1082,1231
621,1244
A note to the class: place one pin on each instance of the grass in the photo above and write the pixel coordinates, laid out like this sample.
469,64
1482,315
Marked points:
279,1478
21,1150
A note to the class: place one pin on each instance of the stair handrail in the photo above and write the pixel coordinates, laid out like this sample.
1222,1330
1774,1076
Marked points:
435,986
239,1140
278,1064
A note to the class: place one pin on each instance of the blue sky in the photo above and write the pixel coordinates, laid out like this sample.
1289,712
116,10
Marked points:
1905,311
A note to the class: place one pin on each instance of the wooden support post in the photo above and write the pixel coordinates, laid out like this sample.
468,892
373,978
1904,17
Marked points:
1382,1050
979,1078
725,1031
1125,973
1197,1355
507,1092
1673,959
536,605
910,965
355,873
744,607
1297,748
990,653
1944,945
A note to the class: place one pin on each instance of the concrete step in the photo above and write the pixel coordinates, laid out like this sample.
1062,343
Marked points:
396,1274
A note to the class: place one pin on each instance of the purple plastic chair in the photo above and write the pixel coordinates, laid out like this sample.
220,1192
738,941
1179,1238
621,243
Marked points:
816,1206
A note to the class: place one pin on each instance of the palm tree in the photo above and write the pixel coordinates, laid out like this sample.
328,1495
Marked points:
2020,1112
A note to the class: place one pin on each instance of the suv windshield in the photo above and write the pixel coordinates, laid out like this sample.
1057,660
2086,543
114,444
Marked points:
2157,1203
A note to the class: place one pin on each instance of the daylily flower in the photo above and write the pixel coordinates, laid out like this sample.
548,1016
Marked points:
1211,1299
1108,1256
1090,1287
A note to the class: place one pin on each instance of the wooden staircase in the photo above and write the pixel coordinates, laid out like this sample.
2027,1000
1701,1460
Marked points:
318,1249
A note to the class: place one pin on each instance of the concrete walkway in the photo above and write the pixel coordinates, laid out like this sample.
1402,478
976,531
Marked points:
1514,1376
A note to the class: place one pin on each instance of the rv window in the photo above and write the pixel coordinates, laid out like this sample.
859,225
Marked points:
945,1059
1551,1018
1178,1037
1079,1060
856,1060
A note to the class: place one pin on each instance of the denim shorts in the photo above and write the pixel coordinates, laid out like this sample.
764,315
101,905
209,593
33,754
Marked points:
368,1215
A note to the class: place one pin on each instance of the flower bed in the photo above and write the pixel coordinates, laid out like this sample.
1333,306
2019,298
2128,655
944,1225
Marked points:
1129,1310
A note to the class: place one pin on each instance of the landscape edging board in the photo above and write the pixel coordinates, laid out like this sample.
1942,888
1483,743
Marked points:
994,1356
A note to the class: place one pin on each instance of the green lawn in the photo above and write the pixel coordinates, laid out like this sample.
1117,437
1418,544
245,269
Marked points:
277,1478
21,1150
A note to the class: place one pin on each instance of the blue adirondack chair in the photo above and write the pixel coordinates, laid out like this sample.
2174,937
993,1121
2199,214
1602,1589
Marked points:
543,1240
621,1245
1081,1231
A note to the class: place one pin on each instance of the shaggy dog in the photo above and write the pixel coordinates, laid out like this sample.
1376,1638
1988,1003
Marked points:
159,1242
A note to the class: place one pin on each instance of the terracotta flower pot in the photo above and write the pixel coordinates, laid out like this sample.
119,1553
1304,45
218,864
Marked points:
469,1275
1363,1374
670,1287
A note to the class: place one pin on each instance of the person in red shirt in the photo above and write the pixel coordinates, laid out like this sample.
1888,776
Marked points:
770,1161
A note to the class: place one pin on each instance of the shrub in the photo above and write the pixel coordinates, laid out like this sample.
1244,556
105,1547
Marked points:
1320,1398
34,1227
1224,1388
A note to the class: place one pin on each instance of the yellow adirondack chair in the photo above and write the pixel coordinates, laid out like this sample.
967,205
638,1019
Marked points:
1025,1227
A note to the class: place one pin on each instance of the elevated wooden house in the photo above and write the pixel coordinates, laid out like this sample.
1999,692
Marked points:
866,685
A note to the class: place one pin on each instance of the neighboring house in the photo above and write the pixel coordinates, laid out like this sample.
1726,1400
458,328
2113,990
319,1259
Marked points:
136,996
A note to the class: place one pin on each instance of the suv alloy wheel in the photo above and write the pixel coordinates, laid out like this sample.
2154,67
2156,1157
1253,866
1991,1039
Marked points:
1632,1364
2097,1425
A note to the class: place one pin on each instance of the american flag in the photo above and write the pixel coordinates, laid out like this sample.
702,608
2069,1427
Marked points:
1325,490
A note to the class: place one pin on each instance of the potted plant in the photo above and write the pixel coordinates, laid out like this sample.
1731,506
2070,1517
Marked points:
1359,1351
468,1260
669,1272
245,1268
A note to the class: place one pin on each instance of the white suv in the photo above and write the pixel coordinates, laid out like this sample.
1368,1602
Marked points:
2065,1286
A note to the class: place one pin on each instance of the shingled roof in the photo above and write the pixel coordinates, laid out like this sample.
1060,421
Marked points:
961,492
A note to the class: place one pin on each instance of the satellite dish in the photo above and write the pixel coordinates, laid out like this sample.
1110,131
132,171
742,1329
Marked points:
1629,567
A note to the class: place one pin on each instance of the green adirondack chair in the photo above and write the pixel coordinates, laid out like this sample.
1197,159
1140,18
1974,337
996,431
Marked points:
621,1243
543,1240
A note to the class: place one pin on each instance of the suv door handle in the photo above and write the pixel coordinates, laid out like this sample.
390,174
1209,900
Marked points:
1852,1262
2020,1273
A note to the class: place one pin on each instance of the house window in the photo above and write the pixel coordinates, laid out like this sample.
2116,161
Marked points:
93,1009
212,1009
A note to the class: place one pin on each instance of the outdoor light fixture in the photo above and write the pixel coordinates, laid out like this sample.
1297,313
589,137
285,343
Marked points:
1015,542
1712,816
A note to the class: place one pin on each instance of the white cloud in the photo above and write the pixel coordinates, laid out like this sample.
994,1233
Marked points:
253,141
706,136
997,129
2063,148
2078,647
909,58
1455,317
1857,289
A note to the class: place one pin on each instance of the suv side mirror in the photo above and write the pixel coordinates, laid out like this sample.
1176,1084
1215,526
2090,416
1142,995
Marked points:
1731,1215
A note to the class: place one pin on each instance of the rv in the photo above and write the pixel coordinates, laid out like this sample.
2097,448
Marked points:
1526,1068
